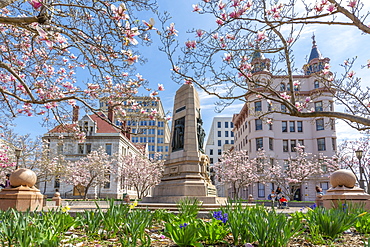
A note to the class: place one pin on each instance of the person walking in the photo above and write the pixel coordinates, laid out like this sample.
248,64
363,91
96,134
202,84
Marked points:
272,198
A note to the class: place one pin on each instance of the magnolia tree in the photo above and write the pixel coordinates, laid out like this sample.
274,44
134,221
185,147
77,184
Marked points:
36,155
298,169
348,160
7,161
219,60
139,173
237,170
58,54
93,170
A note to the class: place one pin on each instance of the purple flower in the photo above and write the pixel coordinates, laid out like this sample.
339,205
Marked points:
183,225
218,216
313,206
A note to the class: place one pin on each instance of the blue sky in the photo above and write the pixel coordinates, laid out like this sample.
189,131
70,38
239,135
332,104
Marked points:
337,43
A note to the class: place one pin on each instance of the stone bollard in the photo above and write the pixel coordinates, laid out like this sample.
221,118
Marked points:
250,198
57,199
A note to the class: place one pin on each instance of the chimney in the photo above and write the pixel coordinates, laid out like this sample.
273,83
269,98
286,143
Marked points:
110,114
75,113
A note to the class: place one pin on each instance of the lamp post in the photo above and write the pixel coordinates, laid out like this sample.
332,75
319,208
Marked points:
18,153
359,153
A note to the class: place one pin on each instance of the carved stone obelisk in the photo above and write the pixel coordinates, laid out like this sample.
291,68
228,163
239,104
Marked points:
186,172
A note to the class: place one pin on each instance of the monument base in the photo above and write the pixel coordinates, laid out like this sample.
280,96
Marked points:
335,197
21,198
175,199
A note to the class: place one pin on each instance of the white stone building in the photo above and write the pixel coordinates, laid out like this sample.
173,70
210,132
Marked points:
221,137
279,137
99,133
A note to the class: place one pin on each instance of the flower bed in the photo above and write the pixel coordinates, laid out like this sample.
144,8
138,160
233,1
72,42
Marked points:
232,225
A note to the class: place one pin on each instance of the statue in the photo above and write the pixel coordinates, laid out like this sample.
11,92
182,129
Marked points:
200,133
178,134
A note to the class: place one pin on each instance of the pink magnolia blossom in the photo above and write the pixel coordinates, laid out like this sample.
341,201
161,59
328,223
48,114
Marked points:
228,57
176,68
352,3
319,7
221,5
160,87
191,44
219,21
285,96
350,74
196,8
261,35
35,3
188,81
171,30
199,32
332,8
150,24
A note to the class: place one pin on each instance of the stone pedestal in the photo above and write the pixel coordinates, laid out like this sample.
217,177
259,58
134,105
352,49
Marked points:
343,190
57,199
186,172
21,198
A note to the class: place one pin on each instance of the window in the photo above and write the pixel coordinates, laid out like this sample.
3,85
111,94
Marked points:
318,106
80,149
269,107
57,182
166,149
135,139
211,152
334,143
272,162
142,139
231,125
261,190
160,124
88,148
226,133
301,142
293,145
320,124
284,126
226,141
143,131
151,139
324,186
160,149
219,151
151,131
211,160
258,106
151,122
292,126
107,183
226,124
259,143
60,148
321,144
218,133
108,148
316,84
282,87
160,140
232,142
142,123
270,126
285,146
218,124
219,143
160,132
258,124
271,144
151,148
283,108
231,134
299,126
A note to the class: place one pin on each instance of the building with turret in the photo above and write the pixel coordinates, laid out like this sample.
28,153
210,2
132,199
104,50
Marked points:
262,124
